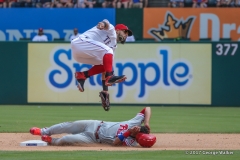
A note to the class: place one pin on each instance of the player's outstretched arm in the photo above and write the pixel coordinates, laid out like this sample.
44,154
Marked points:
117,142
147,114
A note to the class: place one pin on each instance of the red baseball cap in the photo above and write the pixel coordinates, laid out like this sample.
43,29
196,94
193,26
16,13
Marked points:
123,27
40,29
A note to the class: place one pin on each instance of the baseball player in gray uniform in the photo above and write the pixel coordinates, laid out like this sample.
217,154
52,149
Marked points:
96,47
96,131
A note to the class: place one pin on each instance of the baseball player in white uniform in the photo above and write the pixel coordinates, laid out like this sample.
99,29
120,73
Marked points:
96,131
96,46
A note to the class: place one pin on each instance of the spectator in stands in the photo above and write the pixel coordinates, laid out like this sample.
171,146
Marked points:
44,4
136,4
10,3
200,3
3,3
40,36
67,3
29,3
57,4
79,4
237,3
130,38
90,3
34,2
123,3
14,3
176,3
75,34
62,4
111,3
100,4
225,3
21,3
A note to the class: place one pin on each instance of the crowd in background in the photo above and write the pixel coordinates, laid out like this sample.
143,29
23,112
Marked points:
73,3
113,3
109,4
204,3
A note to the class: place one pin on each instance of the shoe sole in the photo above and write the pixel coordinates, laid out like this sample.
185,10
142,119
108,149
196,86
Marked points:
80,88
118,81
107,107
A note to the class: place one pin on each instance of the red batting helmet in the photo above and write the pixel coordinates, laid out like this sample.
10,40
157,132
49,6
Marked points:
146,140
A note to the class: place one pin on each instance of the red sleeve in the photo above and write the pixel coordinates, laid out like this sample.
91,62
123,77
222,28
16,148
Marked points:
143,110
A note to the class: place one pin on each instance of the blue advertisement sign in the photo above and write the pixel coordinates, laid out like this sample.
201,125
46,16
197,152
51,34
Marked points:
56,23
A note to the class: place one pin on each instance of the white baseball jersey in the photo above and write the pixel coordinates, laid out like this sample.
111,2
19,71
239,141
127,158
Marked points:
40,38
83,131
107,37
92,45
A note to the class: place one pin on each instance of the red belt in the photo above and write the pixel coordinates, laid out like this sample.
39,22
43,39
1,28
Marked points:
96,133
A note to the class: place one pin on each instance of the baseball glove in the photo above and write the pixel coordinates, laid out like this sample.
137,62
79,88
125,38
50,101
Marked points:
105,100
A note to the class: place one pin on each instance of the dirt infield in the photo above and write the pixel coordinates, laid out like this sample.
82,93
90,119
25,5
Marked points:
11,142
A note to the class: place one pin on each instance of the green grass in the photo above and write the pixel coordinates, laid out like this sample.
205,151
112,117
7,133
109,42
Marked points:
115,155
164,119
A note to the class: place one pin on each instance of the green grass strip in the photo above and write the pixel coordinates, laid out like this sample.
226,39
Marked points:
14,118
121,155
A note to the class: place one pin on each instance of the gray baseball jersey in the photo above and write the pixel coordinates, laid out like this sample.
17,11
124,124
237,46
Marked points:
109,130
83,131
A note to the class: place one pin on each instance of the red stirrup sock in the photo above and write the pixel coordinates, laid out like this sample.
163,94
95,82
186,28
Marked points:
107,62
96,70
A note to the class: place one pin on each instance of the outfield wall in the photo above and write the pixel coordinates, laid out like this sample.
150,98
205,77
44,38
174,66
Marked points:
147,23
181,73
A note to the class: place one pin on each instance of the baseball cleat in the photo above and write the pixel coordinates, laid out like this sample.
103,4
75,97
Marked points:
46,138
80,85
80,80
120,81
110,80
105,100
35,131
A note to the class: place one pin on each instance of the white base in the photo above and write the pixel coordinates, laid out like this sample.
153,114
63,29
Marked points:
33,143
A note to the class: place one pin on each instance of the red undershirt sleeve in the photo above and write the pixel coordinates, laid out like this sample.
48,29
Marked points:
143,111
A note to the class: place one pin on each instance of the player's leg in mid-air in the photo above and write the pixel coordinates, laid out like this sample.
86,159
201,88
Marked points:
88,51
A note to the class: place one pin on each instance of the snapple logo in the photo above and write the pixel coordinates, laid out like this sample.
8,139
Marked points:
165,73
